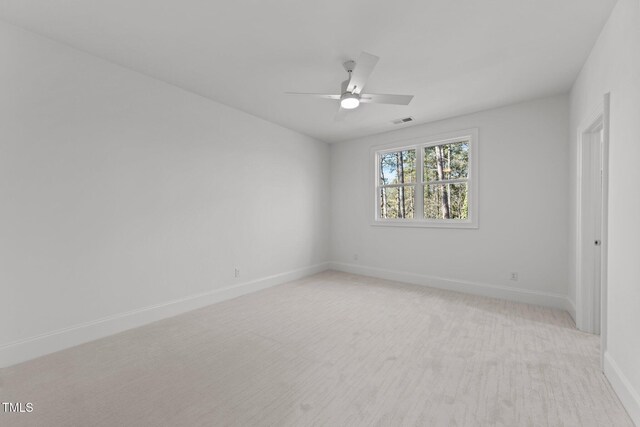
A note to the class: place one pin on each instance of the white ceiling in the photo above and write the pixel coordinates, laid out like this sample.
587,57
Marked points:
455,56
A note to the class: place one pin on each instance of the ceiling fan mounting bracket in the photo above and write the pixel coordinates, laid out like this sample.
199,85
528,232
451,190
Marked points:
349,65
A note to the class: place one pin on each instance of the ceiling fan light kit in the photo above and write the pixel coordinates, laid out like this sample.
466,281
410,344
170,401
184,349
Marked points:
351,95
349,101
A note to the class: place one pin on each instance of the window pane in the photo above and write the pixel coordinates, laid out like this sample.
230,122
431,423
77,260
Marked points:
398,167
446,201
447,161
397,202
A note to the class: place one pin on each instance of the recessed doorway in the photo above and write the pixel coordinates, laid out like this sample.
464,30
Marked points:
592,212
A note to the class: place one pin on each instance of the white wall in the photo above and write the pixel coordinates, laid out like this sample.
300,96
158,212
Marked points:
120,192
614,66
523,217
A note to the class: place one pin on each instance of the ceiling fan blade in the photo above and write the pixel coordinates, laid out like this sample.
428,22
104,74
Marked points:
373,98
360,74
317,95
341,114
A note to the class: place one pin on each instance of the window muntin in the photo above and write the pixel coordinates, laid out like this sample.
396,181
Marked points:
443,194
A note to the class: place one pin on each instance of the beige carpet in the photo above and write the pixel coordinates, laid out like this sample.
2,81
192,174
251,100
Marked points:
330,350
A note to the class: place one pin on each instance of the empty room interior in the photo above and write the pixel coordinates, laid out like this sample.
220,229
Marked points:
292,213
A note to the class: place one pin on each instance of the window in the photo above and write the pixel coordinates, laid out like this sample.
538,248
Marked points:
431,182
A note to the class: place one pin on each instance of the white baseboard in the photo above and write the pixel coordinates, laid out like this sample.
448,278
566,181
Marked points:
32,347
629,397
546,299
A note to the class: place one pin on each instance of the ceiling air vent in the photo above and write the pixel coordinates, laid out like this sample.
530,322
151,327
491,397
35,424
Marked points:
401,121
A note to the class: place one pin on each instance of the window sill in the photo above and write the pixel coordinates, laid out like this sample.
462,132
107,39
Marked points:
424,224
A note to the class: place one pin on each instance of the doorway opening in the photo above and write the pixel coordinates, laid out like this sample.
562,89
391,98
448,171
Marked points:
591,292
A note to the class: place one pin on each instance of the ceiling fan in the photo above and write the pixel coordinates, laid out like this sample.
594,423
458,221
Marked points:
351,95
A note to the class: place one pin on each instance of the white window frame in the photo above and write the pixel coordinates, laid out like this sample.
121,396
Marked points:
419,144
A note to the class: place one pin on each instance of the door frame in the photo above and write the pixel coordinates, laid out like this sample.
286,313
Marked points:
584,301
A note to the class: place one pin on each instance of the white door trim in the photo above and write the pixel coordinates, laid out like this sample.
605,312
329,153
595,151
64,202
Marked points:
605,229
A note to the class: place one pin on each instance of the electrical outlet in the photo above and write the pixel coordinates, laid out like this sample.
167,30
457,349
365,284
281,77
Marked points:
236,272
514,276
